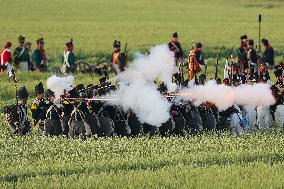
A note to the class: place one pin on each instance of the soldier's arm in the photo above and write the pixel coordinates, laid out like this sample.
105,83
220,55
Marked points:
36,58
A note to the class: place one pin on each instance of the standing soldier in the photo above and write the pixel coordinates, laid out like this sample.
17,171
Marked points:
21,55
268,53
39,108
28,45
119,58
175,47
68,59
198,54
242,53
252,57
17,114
39,56
6,58
193,65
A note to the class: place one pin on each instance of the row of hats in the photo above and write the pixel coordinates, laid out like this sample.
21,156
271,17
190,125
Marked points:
250,42
21,39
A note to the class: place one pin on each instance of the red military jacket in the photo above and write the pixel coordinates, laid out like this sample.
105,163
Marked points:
5,57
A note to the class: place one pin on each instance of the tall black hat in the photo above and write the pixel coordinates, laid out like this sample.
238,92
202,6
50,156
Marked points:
39,88
278,72
116,44
199,45
175,35
49,93
22,93
73,93
21,39
244,37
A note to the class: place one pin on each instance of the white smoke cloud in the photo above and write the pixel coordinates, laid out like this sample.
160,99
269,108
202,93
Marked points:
254,95
225,96
220,95
59,84
137,90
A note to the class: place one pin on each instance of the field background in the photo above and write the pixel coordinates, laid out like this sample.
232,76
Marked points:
254,160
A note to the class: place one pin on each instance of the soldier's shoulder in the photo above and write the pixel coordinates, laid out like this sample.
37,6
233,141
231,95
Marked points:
35,105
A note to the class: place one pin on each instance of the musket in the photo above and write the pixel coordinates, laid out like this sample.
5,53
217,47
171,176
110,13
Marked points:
205,68
94,99
232,67
12,75
226,69
125,47
216,67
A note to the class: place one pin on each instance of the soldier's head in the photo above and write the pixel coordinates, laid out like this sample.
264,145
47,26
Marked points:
116,45
28,45
39,91
69,45
279,74
21,40
49,95
250,43
23,95
219,81
244,38
40,43
175,37
265,42
198,46
7,45
226,81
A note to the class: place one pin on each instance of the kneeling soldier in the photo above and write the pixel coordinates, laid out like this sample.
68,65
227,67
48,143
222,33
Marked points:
17,114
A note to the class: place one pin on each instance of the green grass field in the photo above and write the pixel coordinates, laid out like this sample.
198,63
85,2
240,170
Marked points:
253,160
94,24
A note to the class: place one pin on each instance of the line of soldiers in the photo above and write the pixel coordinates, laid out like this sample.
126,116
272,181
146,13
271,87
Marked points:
251,66
77,114
23,59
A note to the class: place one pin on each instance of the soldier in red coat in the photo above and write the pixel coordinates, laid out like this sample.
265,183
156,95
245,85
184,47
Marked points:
6,58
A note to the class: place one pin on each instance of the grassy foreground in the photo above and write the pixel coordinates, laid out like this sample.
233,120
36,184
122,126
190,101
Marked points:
206,161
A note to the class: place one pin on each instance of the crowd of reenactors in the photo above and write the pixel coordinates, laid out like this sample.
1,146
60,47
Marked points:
80,112
25,59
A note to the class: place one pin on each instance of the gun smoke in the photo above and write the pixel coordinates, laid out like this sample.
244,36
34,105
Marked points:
223,96
139,93
59,84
